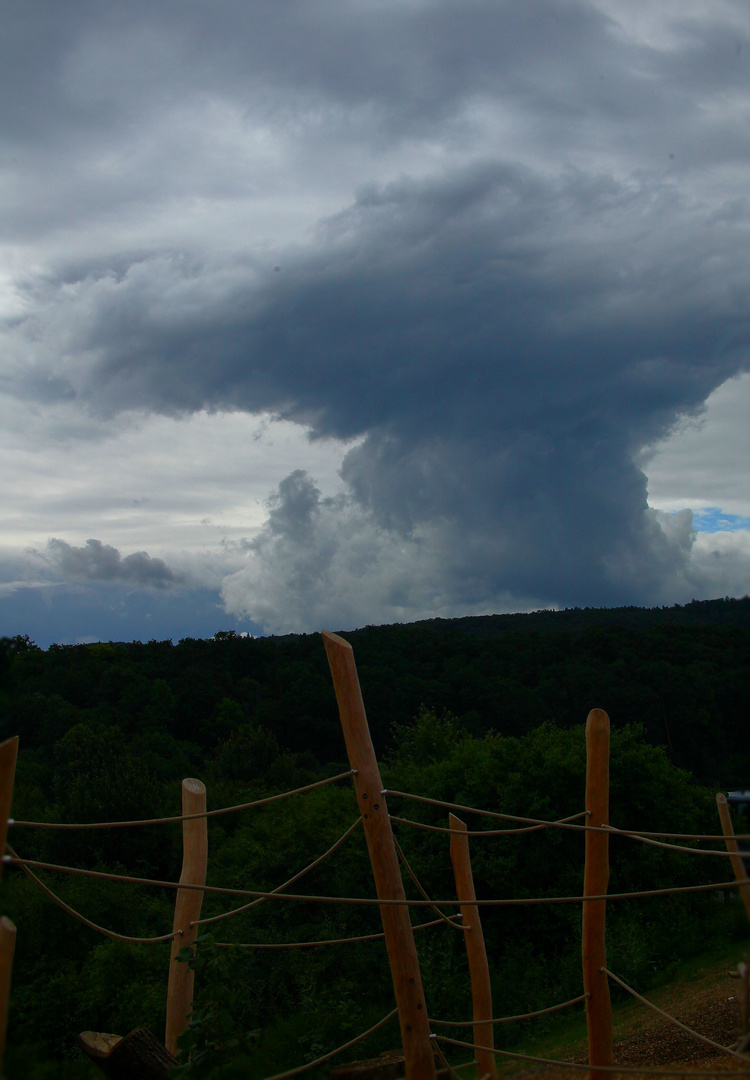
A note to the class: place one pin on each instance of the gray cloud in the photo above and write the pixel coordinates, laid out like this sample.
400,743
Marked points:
102,562
504,342
545,264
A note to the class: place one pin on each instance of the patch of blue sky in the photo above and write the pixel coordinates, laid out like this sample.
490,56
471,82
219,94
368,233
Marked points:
712,519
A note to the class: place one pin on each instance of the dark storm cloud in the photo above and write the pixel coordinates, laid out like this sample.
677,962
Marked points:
102,562
504,341
503,331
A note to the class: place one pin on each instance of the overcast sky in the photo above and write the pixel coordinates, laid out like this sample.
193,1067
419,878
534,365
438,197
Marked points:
335,312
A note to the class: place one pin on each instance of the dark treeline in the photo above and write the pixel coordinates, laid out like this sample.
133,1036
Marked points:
486,712
681,672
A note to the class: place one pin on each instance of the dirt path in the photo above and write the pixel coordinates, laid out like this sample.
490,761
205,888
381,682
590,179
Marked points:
707,1003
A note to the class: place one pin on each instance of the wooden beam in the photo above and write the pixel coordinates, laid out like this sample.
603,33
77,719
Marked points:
7,948
399,939
481,989
736,860
187,909
595,883
8,755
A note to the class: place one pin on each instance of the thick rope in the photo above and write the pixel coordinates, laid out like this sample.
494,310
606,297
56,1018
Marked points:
333,1053
416,881
510,1019
278,889
486,832
633,1070
670,847
447,1065
672,1020
677,835
373,902
561,823
87,922
329,941
183,817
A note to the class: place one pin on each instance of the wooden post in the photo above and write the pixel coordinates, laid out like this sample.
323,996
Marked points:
595,882
736,860
399,939
187,909
8,755
481,990
7,948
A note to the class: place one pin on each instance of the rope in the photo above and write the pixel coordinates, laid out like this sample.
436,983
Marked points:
690,1031
669,847
333,1053
510,1019
416,881
307,869
678,835
648,1070
369,901
484,832
183,817
87,922
561,823
330,941
447,1065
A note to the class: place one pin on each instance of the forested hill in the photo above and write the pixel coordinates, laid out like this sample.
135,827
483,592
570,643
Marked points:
681,672
724,612
484,712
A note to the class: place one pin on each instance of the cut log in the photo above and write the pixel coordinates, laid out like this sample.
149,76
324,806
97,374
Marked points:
137,1056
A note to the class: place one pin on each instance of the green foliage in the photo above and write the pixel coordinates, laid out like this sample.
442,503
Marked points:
429,737
108,731
212,1039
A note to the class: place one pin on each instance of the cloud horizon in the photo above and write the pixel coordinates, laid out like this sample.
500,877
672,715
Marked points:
488,258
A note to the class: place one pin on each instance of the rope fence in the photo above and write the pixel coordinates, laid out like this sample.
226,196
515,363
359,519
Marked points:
329,941
625,1070
673,1020
333,1053
419,1042
179,817
82,918
296,877
512,1019
484,832
540,823
368,901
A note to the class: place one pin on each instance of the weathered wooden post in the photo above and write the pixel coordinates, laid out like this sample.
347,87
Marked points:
399,939
481,990
7,948
187,909
8,755
736,860
595,883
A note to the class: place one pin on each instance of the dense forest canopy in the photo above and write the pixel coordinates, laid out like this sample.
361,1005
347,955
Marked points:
681,672
486,712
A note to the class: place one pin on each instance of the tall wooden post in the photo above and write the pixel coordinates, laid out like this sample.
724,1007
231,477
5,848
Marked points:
595,883
481,990
8,755
736,860
187,909
7,948
399,939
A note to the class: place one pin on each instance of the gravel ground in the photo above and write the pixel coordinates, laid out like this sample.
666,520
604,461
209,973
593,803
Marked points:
708,1004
